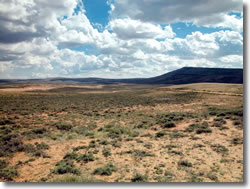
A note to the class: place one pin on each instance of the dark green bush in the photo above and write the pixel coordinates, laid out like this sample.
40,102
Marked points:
192,127
79,157
39,131
106,170
175,152
64,126
141,153
71,156
168,125
4,130
85,158
116,132
8,173
3,164
42,146
66,166
139,178
219,120
36,132
160,134
219,148
212,176
199,128
37,149
106,152
148,145
168,174
115,143
212,113
184,163
236,123
79,148
10,144
92,144
6,121
29,148
177,134
237,140
104,142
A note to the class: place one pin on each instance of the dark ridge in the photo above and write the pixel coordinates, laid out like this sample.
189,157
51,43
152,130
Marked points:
199,75
184,75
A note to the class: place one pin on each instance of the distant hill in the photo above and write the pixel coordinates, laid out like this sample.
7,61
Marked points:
199,75
181,76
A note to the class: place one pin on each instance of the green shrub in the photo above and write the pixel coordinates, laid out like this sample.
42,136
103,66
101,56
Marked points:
10,144
168,125
158,170
91,126
85,158
40,153
160,134
3,164
203,130
237,140
79,148
92,144
199,128
29,148
176,134
192,127
80,179
195,178
42,146
175,152
139,178
141,153
4,130
168,174
133,133
71,156
236,123
115,143
6,121
8,173
116,132
106,152
36,150
81,130
219,148
212,113
39,131
64,126
106,170
66,166
198,146
104,142
212,176
148,145
219,121
170,146
184,163
79,157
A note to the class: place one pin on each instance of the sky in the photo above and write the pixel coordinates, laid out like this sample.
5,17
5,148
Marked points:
117,38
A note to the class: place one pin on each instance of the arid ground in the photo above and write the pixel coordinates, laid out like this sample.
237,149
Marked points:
121,133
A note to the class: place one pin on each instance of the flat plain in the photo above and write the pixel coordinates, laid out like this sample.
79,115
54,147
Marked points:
121,133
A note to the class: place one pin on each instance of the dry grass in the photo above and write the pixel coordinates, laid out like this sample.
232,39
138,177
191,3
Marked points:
126,128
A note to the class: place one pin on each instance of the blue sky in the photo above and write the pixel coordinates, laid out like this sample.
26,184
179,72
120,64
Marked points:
97,11
117,38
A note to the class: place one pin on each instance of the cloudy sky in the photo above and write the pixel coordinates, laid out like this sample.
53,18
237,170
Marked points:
117,38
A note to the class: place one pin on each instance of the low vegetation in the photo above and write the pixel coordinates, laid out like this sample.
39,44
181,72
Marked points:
122,133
